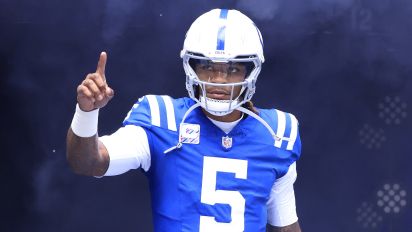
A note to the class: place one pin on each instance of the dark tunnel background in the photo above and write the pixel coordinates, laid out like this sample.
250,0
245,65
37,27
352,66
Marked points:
343,67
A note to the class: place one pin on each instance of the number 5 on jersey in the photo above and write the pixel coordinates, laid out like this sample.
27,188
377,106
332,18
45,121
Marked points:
211,196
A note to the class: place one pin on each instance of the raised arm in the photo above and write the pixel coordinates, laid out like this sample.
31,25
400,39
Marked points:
85,154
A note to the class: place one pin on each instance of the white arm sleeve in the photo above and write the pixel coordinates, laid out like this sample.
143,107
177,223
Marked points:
281,204
128,149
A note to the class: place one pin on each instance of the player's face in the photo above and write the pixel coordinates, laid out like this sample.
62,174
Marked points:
221,73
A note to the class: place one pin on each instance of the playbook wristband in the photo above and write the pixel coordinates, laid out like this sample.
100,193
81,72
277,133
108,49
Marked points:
84,124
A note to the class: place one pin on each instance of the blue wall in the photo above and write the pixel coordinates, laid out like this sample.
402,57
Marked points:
343,67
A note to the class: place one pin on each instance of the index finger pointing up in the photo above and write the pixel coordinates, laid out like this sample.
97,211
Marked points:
101,65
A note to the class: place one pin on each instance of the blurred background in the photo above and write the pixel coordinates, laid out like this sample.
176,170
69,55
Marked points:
343,67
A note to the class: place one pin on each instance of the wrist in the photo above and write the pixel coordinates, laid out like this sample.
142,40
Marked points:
84,124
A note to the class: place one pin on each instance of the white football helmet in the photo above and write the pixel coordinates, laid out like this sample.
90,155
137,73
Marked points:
222,36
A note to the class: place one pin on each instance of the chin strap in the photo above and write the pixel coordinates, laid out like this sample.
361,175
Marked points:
241,109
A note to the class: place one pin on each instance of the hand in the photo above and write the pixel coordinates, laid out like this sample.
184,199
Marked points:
93,92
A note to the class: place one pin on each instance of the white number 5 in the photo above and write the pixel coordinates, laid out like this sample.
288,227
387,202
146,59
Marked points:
211,196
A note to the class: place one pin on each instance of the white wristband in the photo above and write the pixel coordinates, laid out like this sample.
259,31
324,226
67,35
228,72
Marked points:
84,124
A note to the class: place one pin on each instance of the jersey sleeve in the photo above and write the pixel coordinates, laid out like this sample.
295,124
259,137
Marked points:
128,149
281,206
287,128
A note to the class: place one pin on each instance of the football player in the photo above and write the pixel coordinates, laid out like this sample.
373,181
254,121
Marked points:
214,161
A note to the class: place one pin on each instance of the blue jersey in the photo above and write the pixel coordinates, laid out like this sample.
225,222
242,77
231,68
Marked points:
214,181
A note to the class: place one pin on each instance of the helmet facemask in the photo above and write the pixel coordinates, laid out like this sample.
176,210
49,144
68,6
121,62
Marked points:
197,87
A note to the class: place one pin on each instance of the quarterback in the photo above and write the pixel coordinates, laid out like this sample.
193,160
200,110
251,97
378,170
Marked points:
213,160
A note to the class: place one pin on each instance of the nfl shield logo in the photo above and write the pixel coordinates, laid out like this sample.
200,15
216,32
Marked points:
227,142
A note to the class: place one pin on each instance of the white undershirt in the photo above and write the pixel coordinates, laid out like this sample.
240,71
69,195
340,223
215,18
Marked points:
225,126
129,149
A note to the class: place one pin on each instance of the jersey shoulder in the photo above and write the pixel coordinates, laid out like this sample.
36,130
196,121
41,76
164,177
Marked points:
159,111
286,127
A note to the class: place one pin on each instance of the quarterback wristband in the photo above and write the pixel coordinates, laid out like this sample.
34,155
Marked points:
84,124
